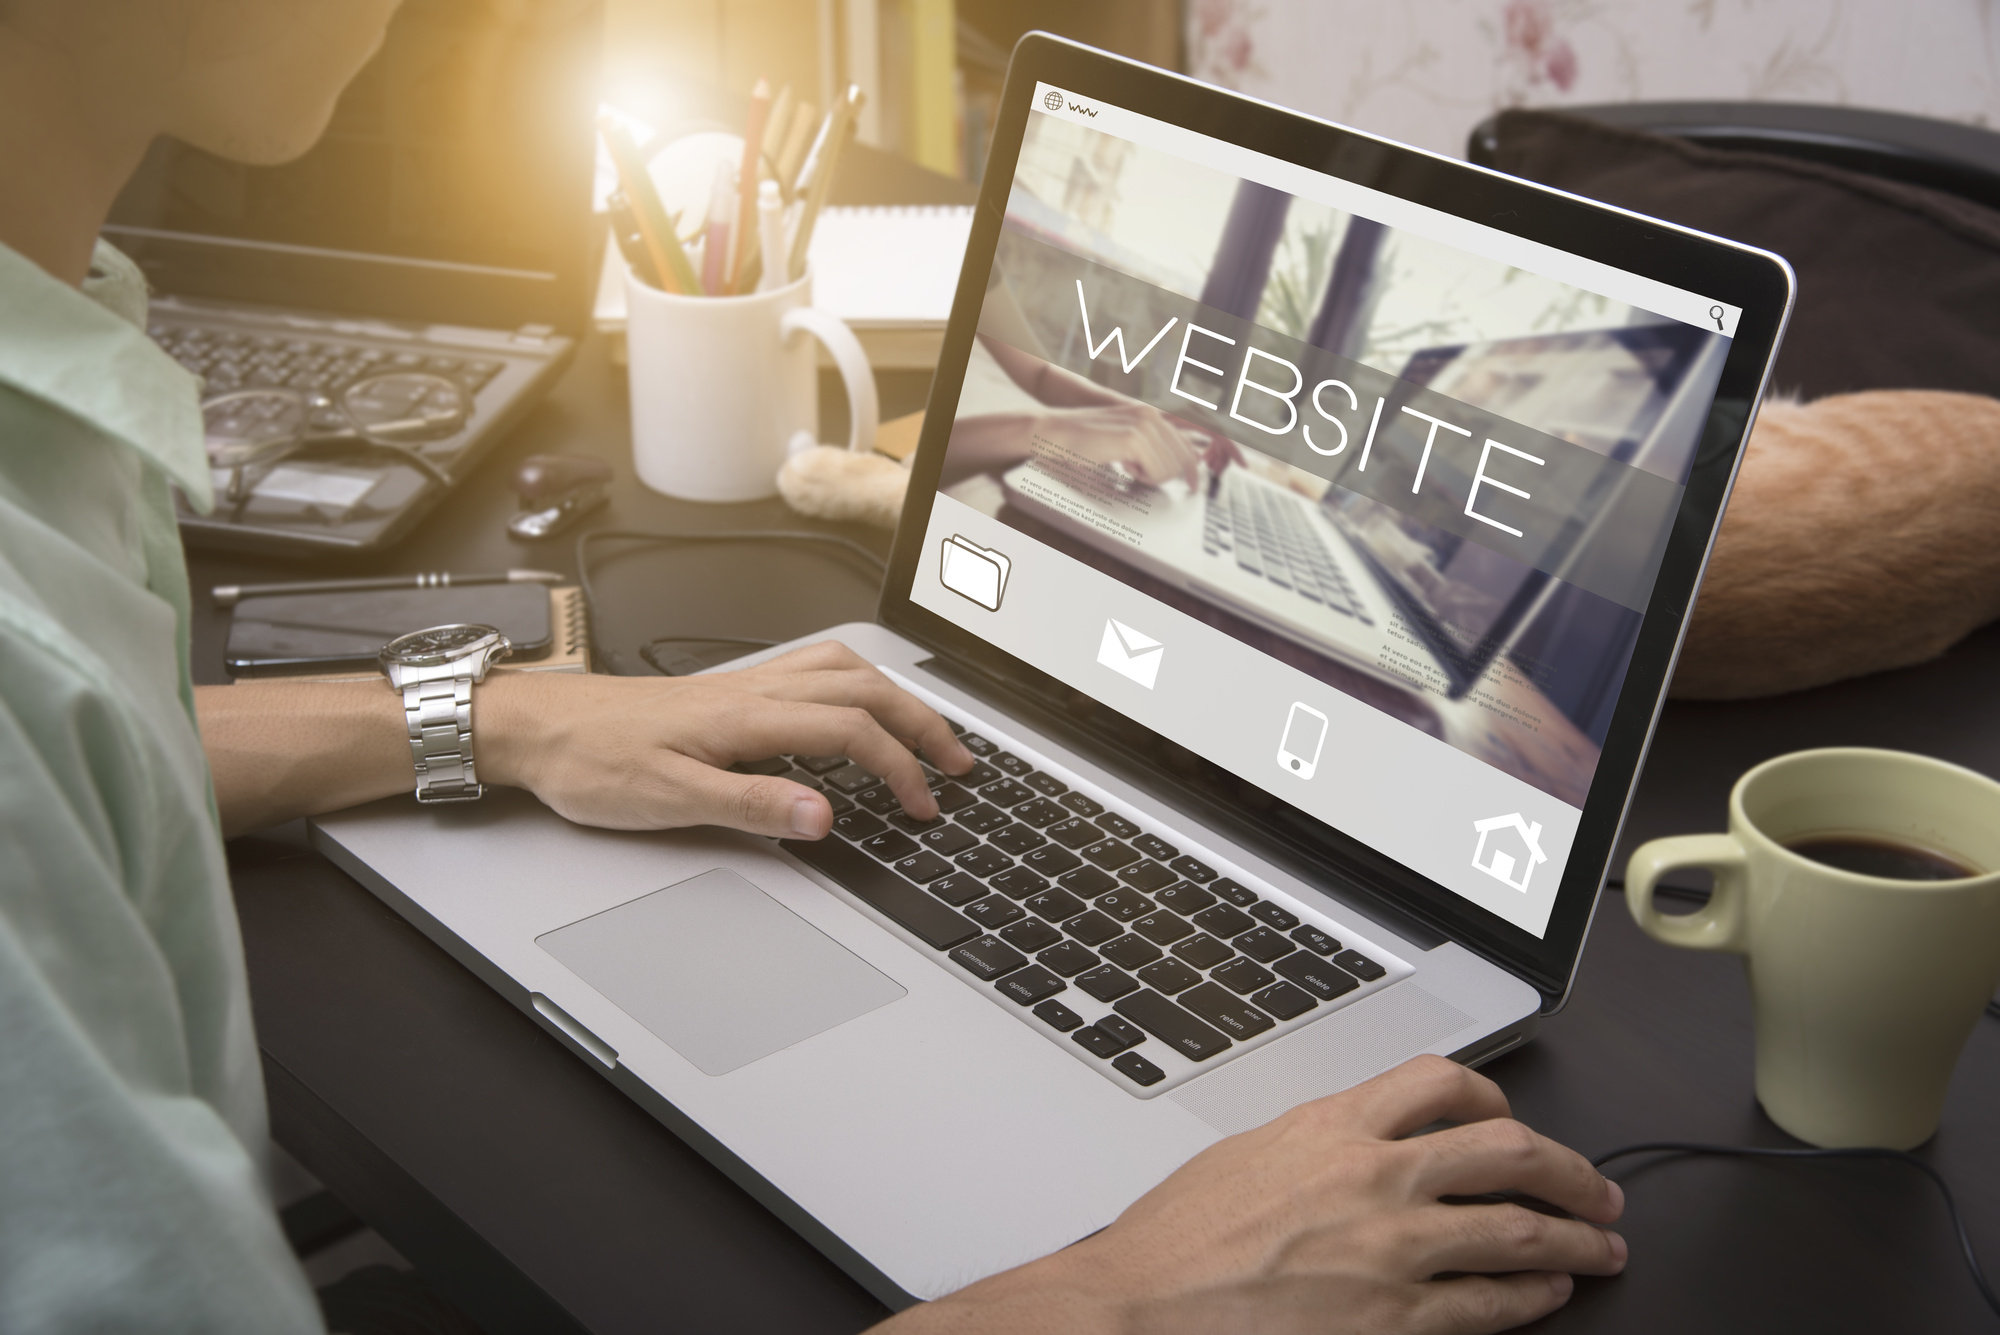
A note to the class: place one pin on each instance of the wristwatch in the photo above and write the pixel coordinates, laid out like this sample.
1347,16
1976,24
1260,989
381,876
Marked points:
435,670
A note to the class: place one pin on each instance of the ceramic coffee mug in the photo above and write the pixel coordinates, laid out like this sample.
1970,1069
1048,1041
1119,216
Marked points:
724,388
1865,988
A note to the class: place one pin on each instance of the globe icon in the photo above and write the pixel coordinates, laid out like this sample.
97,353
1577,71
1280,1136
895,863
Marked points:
1053,100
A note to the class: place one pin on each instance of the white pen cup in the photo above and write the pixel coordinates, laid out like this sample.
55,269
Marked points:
724,389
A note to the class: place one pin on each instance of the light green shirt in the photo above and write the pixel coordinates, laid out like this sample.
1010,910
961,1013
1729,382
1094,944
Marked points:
132,1120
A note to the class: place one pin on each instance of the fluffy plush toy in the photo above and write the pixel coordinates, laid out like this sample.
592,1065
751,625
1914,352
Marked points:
1864,534
832,482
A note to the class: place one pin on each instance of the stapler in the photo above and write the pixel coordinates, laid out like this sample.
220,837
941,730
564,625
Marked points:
556,490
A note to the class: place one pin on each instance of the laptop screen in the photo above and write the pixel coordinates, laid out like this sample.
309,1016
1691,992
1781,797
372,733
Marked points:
1354,498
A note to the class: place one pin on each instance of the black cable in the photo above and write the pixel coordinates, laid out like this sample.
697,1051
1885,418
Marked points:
589,591
1899,1156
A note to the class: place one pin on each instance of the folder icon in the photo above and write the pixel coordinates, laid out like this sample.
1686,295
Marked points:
1130,654
975,572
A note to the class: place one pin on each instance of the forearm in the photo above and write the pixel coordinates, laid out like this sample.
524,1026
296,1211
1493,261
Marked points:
1041,1298
282,749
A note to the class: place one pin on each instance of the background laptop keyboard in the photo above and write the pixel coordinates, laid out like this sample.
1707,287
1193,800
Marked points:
229,360
1138,957
1269,534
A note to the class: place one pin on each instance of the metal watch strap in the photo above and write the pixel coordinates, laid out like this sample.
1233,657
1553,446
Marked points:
439,712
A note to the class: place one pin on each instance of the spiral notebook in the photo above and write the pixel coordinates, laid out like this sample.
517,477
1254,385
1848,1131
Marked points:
888,270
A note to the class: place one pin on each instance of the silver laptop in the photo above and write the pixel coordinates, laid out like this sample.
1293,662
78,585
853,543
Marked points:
440,230
1203,871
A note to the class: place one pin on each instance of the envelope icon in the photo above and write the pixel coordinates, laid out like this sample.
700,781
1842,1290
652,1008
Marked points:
1130,654
975,572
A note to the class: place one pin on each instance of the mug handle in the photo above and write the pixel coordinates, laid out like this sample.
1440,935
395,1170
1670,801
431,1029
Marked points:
864,412
1719,924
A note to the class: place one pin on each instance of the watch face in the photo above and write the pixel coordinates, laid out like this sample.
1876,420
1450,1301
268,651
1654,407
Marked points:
439,644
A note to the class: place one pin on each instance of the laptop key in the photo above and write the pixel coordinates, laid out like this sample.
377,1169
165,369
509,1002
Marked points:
909,824
1107,982
1168,976
978,776
1234,893
1006,793
983,861
880,799
1074,832
1284,1001
976,744
994,911
1316,975
1204,951
1124,905
1040,812
1087,881
1163,929
774,765
950,798
1092,928
924,866
981,819
1081,805
819,764
1068,958
1243,977
858,825
1118,825
948,840
1137,1069
1058,1016
958,888
1130,952
1263,945
1012,763
1055,905
1154,847
1224,920
1051,860
1313,939
1185,899
1016,839
886,892
1111,854
1045,784
1147,876
988,958
890,845
1097,1043
1236,1018
1180,1030
1025,987
1030,935
1360,965
851,778
1276,917
1123,1030
1019,882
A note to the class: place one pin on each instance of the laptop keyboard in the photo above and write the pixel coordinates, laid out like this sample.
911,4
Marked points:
1104,934
228,360
1270,536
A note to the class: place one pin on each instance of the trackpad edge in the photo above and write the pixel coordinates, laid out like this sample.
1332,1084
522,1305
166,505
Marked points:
720,971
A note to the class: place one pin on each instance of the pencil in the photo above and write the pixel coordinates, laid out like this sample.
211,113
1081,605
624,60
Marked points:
654,225
776,126
843,117
715,241
793,153
746,181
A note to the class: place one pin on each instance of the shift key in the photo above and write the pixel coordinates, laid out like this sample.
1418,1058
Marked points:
1192,1038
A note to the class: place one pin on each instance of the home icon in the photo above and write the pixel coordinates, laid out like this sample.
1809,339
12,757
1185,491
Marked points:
1516,844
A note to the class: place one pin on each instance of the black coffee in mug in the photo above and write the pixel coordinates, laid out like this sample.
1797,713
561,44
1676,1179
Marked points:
1878,855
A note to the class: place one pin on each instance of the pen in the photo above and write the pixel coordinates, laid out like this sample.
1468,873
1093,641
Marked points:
625,231
654,225
841,126
776,127
794,151
746,182
228,595
771,235
715,242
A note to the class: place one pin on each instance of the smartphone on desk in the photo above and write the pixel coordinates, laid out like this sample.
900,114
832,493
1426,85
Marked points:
303,634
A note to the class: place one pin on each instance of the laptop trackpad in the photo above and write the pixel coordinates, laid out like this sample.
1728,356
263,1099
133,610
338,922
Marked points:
719,971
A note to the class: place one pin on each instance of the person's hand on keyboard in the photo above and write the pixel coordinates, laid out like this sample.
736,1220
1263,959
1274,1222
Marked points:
636,753
1332,1218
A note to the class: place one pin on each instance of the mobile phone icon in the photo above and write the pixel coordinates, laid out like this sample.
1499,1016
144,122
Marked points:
1305,734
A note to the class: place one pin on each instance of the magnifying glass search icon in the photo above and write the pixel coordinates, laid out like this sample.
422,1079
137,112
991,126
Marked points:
1715,314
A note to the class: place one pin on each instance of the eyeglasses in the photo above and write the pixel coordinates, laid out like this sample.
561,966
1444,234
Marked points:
248,431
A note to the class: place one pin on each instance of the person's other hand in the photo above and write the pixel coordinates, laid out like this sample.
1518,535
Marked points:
1151,446
1328,1220
636,753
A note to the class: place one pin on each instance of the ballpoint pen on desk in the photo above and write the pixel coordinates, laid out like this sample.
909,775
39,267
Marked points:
840,127
662,242
746,184
715,266
228,595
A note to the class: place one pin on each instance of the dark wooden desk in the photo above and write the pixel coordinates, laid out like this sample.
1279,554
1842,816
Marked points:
544,1200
